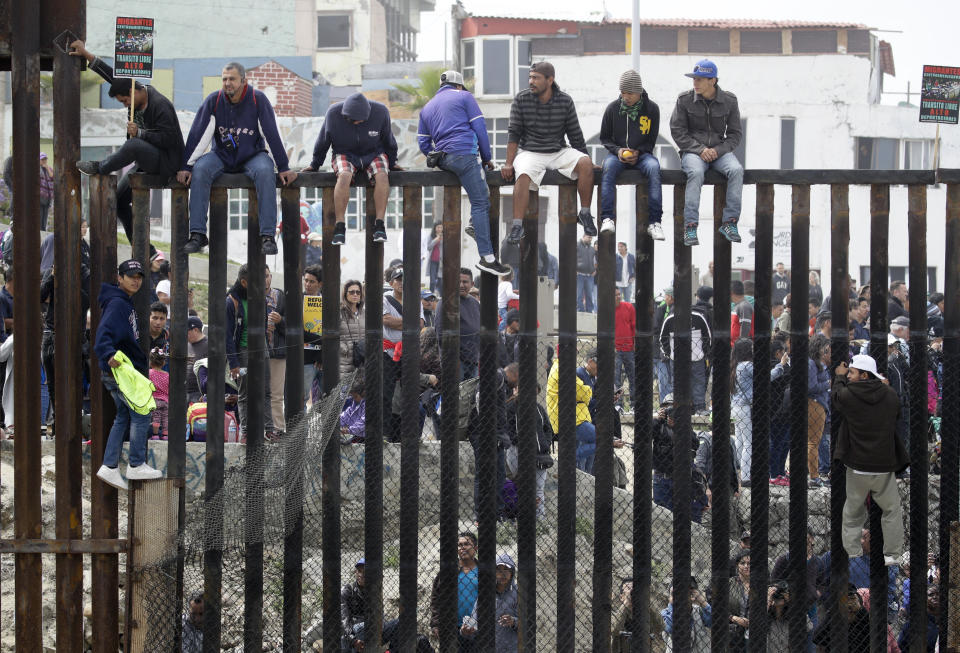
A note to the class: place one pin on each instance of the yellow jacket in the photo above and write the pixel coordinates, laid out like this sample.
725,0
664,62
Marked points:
584,394
136,389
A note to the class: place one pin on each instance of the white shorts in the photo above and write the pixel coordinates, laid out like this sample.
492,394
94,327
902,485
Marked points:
535,164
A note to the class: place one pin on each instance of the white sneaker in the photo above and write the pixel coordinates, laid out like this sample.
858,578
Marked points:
143,472
655,231
112,476
608,226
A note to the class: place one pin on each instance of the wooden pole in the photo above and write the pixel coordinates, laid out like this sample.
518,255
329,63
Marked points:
133,90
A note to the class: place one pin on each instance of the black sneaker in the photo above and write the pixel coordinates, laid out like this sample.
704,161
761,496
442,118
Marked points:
516,233
470,231
586,220
339,234
379,232
196,242
493,267
89,167
269,245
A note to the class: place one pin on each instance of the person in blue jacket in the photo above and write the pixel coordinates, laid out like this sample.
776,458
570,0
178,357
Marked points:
118,331
452,124
238,124
360,135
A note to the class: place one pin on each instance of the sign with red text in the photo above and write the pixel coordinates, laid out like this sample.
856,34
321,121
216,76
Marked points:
940,95
133,51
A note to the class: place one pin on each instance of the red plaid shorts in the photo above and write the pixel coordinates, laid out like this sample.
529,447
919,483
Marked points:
340,164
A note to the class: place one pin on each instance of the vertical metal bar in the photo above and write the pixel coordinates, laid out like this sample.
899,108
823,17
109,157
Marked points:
25,24
330,457
919,499
840,274
799,346
643,424
566,420
682,456
216,368
69,321
722,453
253,468
373,446
104,577
140,250
950,425
603,460
294,443
450,393
410,419
760,419
879,327
486,453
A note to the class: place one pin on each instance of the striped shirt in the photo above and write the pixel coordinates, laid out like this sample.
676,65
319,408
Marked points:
541,126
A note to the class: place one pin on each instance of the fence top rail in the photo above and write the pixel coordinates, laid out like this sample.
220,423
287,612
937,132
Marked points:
628,178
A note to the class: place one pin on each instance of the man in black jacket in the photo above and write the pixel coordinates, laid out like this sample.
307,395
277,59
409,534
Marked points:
154,139
629,131
868,445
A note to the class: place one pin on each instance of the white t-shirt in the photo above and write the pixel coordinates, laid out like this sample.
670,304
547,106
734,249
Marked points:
505,294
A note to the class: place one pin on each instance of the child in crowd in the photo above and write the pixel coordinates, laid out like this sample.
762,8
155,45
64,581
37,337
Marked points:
161,381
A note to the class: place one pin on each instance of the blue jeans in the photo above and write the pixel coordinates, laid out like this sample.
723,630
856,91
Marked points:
586,446
259,168
695,167
779,446
585,293
613,166
624,363
698,378
664,370
126,419
474,182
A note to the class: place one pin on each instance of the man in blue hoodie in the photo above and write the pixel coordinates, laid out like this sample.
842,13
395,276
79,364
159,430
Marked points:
238,124
359,132
453,125
118,331
629,131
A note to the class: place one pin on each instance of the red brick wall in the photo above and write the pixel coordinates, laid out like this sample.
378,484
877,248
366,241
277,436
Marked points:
293,93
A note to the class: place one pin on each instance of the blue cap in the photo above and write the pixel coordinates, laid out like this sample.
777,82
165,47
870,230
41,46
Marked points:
704,68
360,563
426,294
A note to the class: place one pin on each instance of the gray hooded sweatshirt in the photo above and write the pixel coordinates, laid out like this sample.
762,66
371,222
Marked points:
506,603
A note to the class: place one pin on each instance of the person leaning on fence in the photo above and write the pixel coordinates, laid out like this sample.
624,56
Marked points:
154,139
541,116
239,125
706,128
586,433
868,445
451,133
359,133
629,131
118,334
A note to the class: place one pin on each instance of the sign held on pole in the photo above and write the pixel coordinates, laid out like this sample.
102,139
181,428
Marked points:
133,52
940,95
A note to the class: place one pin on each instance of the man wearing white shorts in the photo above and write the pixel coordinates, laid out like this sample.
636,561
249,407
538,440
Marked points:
542,120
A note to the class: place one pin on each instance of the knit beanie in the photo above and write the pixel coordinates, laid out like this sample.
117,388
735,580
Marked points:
630,82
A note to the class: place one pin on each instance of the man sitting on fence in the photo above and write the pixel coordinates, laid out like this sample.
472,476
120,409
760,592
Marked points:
540,117
359,132
154,139
239,125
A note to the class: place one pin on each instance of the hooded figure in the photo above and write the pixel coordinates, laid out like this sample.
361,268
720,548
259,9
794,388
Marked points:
506,608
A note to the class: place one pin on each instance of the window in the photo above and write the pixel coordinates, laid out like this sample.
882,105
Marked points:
858,41
814,41
498,64
877,153
610,38
761,42
497,133
788,129
712,41
655,39
333,32
916,155
237,208
355,218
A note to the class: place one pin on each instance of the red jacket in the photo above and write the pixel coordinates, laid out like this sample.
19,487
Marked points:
625,321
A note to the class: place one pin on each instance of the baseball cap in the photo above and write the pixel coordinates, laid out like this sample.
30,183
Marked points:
865,363
396,274
703,68
361,562
901,321
513,315
194,322
313,235
426,294
131,268
667,400
43,155
745,535
163,286
668,290
158,256
451,77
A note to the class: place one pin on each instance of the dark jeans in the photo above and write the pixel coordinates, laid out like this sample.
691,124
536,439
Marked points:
44,212
501,476
779,446
624,365
46,359
391,372
148,159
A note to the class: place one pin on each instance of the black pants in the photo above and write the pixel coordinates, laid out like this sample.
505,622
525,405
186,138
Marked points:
148,158
46,358
391,372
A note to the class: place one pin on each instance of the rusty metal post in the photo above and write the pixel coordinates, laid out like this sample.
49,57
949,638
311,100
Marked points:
566,419
104,577
25,23
840,273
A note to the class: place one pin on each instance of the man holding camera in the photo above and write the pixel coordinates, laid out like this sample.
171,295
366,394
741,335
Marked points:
238,124
451,133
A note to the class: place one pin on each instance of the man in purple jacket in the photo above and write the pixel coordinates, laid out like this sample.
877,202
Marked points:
452,125
238,124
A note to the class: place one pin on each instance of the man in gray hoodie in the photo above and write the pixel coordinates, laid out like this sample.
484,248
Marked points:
506,608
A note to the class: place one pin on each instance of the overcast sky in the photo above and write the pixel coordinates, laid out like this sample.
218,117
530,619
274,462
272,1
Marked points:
919,34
